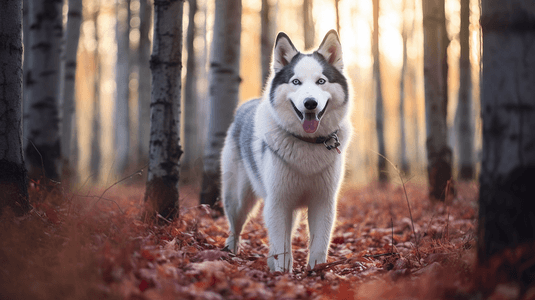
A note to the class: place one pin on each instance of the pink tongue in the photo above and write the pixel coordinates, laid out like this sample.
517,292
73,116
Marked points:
310,126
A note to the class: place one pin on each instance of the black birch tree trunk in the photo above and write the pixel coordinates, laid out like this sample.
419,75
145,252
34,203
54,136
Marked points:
26,81
439,156
161,195
506,214
13,176
464,121
67,85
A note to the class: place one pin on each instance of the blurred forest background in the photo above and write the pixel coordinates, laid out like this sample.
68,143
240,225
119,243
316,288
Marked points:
416,72
112,98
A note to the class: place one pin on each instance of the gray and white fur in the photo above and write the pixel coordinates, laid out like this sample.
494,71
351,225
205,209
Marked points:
276,150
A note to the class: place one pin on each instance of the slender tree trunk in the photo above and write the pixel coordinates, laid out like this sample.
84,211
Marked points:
403,141
439,154
161,195
308,24
266,40
46,32
13,177
75,149
96,157
337,9
379,110
444,53
411,75
144,88
122,112
202,87
415,114
191,138
224,88
506,215
67,93
94,163
465,124
26,67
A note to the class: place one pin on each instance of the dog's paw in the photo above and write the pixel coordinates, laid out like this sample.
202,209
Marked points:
279,263
232,244
316,260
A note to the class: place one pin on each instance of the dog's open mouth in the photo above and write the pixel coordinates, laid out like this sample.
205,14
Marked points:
310,121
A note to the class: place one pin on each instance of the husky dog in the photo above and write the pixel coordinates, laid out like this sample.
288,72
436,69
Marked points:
288,149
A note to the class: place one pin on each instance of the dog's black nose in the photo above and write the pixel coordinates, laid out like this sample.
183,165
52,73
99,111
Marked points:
310,103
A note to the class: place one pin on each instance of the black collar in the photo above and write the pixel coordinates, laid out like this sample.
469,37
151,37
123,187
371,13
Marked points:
322,140
316,140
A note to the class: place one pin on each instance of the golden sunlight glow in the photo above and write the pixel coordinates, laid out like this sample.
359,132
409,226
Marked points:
390,41
356,25
325,18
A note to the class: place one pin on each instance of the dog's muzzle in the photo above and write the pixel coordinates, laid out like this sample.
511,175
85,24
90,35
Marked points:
310,120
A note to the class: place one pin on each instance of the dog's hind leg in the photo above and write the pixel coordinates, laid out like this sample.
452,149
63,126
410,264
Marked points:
238,202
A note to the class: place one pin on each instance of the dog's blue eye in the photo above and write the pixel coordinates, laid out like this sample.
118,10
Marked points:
296,82
321,81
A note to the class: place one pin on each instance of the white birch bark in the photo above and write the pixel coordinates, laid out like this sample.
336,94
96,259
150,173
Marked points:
224,89
379,107
122,113
144,87
506,215
439,156
161,195
46,33
67,85
464,120
13,180
191,132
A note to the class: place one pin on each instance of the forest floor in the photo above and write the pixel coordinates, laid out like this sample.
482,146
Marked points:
92,245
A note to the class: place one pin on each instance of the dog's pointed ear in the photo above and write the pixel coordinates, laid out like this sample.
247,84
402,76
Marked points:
331,49
283,52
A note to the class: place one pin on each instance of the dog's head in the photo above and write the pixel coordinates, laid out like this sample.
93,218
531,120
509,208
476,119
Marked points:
308,92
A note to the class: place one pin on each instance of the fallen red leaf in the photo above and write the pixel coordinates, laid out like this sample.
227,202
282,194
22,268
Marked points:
146,254
143,285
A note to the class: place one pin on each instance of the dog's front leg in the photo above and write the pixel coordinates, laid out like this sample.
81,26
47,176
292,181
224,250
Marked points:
321,215
279,219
